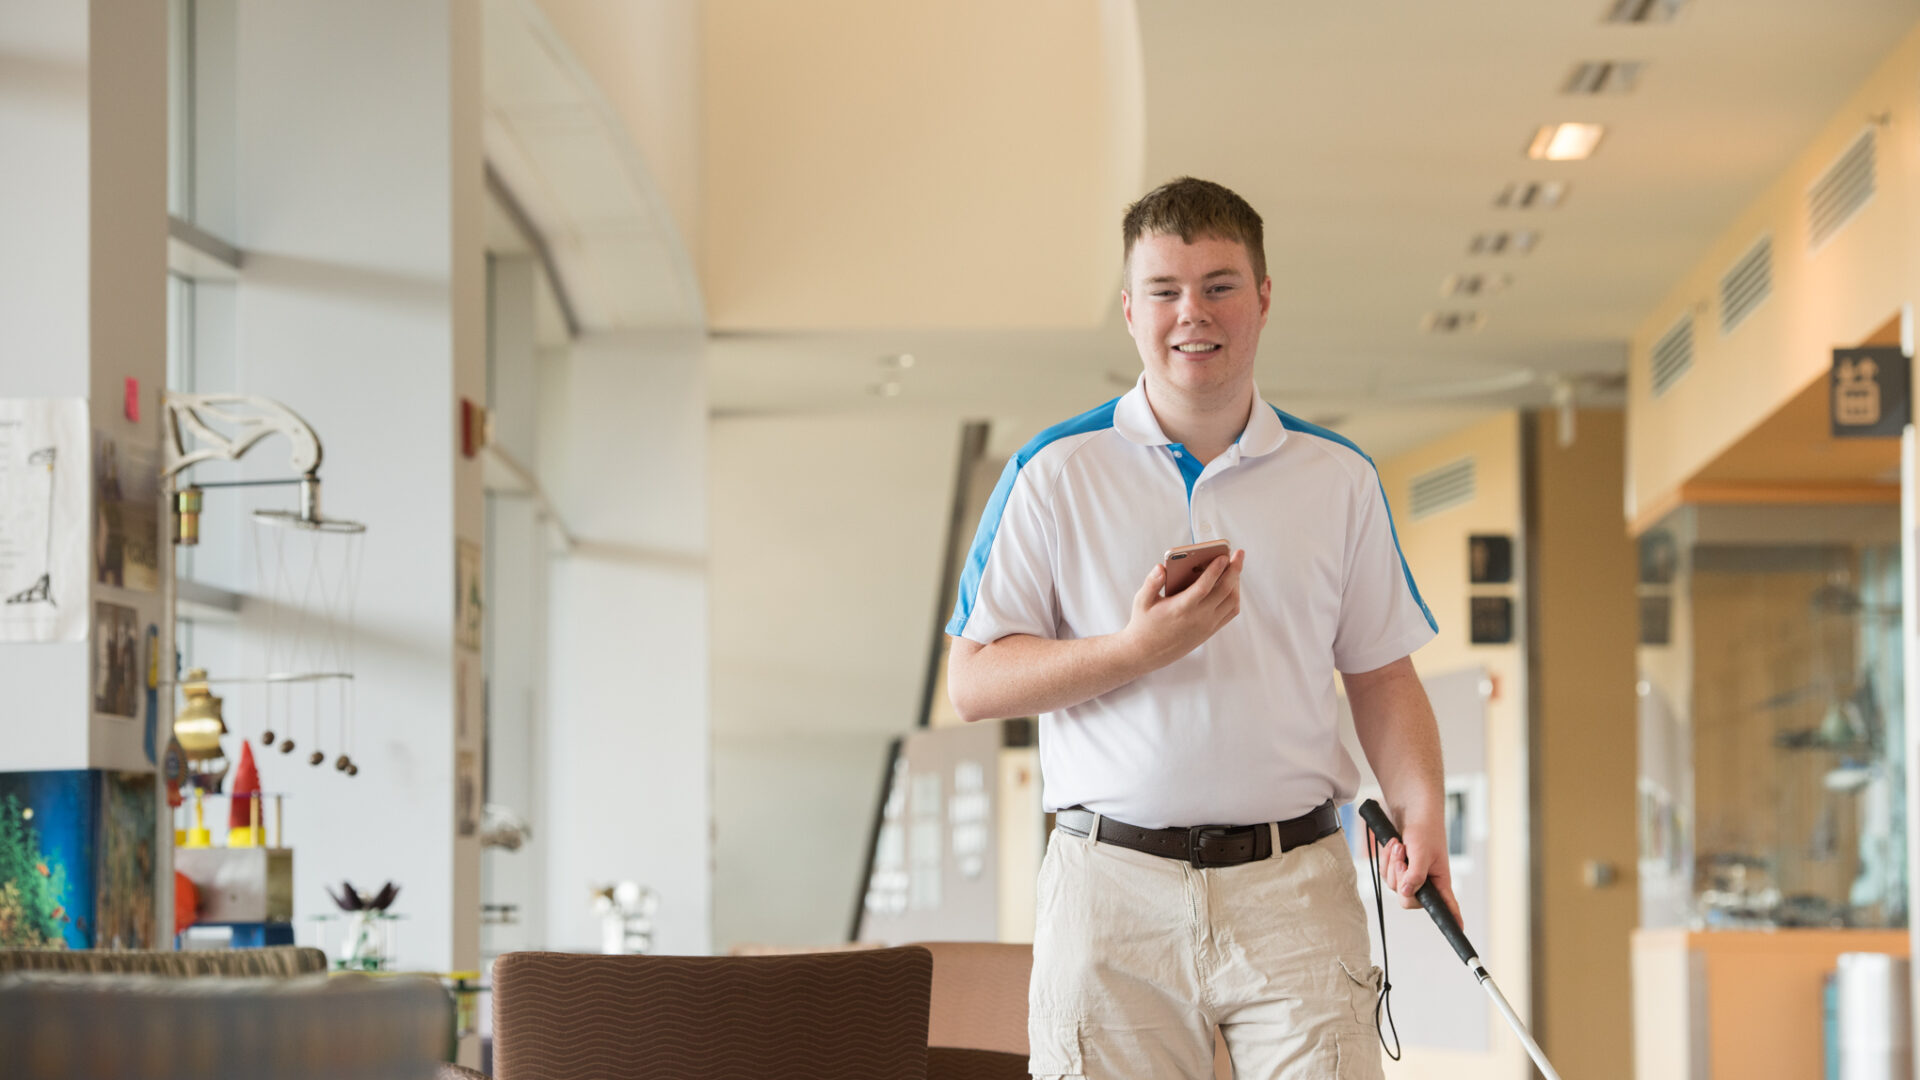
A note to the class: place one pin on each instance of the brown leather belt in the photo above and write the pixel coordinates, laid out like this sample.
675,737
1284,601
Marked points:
1206,845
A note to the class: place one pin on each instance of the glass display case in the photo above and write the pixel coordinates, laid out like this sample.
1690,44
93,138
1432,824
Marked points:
1772,774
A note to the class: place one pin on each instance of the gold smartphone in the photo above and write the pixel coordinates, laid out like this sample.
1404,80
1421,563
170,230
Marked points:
1186,563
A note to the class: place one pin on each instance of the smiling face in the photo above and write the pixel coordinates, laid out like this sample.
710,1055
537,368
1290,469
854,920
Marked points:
1195,312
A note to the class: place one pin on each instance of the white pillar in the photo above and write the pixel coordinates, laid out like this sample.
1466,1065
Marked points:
629,743
520,549
83,117
83,208
361,305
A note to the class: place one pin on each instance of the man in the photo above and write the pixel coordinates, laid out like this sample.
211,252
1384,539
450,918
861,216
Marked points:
1197,878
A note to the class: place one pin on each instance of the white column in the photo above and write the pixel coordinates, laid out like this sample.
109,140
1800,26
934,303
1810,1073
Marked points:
629,744
520,558
83,207
361,306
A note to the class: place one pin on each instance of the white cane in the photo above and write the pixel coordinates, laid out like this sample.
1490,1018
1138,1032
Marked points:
1430,898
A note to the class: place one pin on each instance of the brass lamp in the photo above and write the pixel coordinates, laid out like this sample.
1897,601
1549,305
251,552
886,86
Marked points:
198,727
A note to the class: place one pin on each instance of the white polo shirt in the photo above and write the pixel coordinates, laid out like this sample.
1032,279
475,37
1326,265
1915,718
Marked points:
1243,729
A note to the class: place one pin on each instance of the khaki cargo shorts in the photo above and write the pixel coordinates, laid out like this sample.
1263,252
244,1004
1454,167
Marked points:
1137,958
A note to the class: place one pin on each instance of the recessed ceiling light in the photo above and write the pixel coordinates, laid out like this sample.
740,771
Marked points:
1531,195
1643,11
1503,241
1565,142
1595,77
897,361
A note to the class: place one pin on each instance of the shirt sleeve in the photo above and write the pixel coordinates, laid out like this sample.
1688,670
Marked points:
1006,586
1382,616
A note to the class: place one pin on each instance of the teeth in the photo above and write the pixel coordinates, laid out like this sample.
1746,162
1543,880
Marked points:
1195,348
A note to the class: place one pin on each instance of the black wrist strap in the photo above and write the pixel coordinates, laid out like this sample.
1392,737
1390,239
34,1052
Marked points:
1382,1006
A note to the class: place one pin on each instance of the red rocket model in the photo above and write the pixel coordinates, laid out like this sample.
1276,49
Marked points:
243,802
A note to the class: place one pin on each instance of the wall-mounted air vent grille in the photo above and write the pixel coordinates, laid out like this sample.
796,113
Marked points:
1672,355
1841,191
1597,77
1643,11
1441,489
1746,285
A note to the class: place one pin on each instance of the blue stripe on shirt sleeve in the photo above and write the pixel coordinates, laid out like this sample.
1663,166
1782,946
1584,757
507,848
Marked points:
976,565
1294,423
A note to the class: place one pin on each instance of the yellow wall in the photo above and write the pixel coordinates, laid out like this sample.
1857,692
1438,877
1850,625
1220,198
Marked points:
1586,626
1436,551
1836,296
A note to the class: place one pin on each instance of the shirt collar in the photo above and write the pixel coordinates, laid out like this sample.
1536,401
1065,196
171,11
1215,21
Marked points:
1134,419
1264,432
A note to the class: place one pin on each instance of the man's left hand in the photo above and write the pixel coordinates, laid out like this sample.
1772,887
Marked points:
1404,867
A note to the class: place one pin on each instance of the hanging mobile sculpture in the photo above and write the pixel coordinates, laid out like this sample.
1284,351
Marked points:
307,567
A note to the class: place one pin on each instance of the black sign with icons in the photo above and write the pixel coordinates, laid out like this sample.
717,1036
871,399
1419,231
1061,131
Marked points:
1490,620
1489,560
1870,392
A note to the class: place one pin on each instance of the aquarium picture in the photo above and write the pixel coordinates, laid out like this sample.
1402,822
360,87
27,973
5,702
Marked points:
77,858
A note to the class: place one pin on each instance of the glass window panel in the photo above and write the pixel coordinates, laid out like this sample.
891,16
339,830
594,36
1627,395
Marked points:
1772,692
200,114
180,108
214,95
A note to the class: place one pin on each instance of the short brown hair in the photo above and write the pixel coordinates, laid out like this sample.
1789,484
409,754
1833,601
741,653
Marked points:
1189,208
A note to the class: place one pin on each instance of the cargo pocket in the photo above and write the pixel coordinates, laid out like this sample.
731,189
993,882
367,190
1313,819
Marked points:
1362,986
1055,1046
1357,1057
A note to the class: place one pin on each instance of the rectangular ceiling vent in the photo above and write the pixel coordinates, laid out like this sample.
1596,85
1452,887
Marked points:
1503,241
1643,11
1593,78
1440,489
1672,355
1841,191
1746,285
1474,284
1453,322
1531,194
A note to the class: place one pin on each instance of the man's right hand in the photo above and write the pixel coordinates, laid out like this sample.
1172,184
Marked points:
1024,675
1166,628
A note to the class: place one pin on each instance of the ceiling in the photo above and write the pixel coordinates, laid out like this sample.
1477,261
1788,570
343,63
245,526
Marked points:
1373,144
573,167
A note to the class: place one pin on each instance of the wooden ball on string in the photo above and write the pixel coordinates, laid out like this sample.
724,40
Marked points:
316,757
266,737
286,746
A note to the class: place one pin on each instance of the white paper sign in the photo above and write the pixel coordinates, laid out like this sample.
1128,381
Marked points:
43,519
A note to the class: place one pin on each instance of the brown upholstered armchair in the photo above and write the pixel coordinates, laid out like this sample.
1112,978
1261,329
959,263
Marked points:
978,1029
830,1016
977,1025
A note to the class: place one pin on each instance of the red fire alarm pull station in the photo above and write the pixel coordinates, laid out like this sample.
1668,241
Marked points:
133,399
473,435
